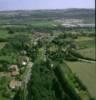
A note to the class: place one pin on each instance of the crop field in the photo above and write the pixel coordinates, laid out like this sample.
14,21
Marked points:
3,34
82,38
85,42
88,52
87,46
86,72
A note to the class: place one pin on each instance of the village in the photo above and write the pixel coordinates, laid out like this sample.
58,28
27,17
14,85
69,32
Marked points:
47,54
17,75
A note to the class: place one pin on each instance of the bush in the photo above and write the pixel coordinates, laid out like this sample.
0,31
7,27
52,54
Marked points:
70,57
3,40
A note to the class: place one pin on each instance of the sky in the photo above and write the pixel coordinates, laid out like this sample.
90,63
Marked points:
45,4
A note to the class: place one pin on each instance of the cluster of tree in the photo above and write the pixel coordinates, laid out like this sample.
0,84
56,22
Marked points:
32,51
65,83
63,44
43,84
3,40
19,42
4,65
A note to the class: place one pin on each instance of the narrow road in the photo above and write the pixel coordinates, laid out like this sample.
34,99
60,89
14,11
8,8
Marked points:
88,61
27,75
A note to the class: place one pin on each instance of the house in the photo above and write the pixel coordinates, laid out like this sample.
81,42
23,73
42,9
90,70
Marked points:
14,84
14,70
14,73
23,60
14,67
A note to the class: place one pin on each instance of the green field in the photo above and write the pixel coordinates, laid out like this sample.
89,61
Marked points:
88,52
85,42
82,38
86,72
3,34
86,46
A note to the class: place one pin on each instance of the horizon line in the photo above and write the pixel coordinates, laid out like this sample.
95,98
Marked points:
43,9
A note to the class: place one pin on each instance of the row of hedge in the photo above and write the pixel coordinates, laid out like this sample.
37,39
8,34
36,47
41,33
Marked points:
65,85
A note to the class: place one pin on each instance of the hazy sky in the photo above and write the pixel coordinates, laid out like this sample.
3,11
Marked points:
45,4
